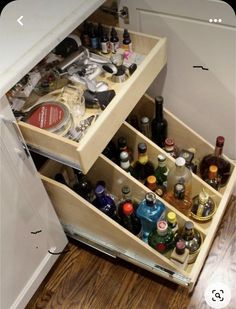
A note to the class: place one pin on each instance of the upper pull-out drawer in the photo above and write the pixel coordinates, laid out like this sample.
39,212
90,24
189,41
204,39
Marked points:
83,154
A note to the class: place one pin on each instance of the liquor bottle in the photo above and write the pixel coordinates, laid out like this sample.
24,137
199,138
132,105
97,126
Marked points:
127,44
162,170
203,206
105,203
114,41
125,163
149,211
105,44
195,162
146,127
188,156
122,146
213,179
133,121
99,35
93,38
151,183
126,198
192,239
85,35
180,255
216,159
172,222
161,239
170,147
159,124
143,167
129,220
110,151
179,187
83,186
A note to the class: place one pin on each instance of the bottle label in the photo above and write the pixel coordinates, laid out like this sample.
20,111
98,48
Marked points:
105,47
125,165
143,159
160,247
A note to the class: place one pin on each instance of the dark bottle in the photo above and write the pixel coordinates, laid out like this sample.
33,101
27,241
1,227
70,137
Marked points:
216,159
133,120
143,167
83,186
127,44
114,41
105,44
93,38
213,179
129,220
188,156
161,239
122,146
99,35
85,35
60,178
105,203
151,183
146,127
110,151
126,198
159,124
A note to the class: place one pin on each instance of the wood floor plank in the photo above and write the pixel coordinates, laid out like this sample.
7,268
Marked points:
84,278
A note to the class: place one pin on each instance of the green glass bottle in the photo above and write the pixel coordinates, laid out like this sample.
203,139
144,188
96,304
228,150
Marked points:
162,170
162,238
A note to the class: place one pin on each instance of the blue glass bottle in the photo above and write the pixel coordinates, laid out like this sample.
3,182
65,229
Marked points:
149,211
104,202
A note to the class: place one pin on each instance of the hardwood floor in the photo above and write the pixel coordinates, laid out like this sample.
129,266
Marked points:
84,278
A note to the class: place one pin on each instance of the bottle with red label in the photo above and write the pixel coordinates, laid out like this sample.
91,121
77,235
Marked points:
162,238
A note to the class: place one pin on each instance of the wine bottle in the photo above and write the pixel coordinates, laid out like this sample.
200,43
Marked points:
159,124
216,159
143,167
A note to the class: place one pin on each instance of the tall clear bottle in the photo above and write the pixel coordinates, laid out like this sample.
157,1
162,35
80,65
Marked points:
216,159
159,124
179,187
149,211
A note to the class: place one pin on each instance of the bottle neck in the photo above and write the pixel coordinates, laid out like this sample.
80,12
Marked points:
218,151
143,158
180,170
159,112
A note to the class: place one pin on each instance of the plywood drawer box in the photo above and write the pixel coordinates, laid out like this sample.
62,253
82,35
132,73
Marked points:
83,154
84,222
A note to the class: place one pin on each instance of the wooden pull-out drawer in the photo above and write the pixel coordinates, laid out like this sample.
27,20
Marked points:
83,154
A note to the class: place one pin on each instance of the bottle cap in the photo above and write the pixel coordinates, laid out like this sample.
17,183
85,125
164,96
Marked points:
171,217
162,227
180,247
145,120
220,141
99,190
159,99
124,156
142,147
187,155
161,158
122,142
150,198
128,209
169,142
203,197
213,169
180,161
125,190
151,179
188,225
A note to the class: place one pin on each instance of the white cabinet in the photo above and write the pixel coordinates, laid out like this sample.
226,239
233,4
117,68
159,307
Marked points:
30,229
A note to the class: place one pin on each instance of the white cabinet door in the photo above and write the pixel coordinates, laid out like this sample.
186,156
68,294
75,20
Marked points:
30,229
204,98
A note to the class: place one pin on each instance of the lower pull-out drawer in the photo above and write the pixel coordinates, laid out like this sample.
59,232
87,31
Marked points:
152,54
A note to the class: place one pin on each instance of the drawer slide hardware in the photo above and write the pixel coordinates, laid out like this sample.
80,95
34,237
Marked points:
164,272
